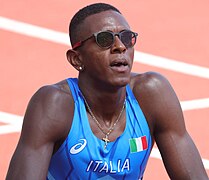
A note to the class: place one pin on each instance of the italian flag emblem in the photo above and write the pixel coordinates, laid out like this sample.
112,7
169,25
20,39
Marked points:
138,144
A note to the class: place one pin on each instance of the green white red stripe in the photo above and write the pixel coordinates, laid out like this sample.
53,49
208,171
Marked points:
138,144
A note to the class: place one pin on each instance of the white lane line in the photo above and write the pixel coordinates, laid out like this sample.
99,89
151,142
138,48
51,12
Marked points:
156,154
34,31
62,38
10,118
172,65
10,128
13,123
195,104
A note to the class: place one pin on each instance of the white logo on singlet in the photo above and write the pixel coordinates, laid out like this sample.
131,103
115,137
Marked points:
78,147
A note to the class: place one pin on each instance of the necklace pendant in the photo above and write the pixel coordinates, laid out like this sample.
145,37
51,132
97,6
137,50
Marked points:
106,140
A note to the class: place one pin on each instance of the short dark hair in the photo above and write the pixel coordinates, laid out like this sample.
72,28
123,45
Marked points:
83,13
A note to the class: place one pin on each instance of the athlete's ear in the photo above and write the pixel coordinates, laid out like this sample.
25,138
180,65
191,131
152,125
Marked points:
74,60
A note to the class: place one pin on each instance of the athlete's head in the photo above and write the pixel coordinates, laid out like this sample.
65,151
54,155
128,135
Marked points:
82,14
100,35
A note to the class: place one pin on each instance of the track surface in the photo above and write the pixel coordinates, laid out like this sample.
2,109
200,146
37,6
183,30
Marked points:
174,32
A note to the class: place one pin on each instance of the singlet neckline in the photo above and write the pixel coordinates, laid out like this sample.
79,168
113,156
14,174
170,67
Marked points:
79,102
89,129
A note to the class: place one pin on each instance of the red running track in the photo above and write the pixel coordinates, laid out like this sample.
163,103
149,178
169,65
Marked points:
176,30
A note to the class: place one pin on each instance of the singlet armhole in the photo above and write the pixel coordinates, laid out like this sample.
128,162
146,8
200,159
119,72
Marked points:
130,93
139,110
71,83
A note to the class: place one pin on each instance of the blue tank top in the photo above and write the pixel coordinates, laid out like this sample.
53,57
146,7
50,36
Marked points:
82,155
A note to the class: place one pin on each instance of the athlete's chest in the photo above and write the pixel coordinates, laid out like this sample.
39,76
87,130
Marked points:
123,156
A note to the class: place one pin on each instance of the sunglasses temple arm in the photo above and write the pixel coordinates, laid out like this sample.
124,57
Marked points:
79,43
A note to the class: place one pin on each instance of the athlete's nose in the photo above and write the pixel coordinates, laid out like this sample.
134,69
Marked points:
118,46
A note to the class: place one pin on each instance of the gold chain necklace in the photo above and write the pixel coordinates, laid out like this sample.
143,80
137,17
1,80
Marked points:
105,139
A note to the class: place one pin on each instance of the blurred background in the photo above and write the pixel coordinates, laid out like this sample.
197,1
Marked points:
173,40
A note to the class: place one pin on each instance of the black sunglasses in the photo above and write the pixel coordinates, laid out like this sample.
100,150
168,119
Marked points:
105,39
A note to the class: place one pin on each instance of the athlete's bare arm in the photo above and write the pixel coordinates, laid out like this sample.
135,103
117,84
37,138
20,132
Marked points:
163,112
46,124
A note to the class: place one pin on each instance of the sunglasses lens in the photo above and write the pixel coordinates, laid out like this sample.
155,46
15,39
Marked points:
105,39
128,38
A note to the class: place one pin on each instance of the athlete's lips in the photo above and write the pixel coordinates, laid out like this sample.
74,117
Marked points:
119,62
120,65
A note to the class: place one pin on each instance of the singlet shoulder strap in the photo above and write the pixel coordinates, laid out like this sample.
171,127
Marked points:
73,85
137,110
129,92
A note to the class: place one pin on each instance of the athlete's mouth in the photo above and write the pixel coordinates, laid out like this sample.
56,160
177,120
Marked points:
118,64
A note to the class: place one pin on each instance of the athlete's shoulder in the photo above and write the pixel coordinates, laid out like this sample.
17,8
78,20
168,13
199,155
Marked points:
151,89
59,87
151,86
148,81
53,92
51,106
55,99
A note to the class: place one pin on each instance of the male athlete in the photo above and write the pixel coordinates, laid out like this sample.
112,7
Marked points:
103,124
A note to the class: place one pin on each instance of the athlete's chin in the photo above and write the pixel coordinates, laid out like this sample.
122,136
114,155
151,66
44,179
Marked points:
122,81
